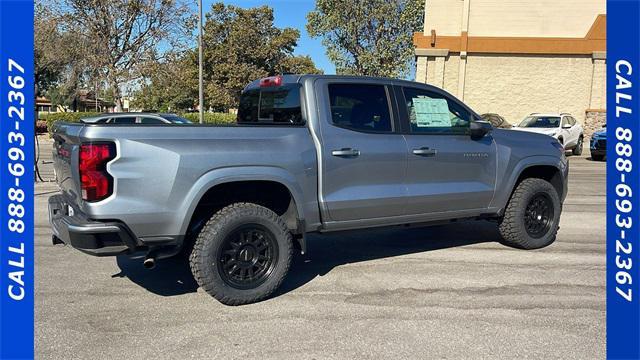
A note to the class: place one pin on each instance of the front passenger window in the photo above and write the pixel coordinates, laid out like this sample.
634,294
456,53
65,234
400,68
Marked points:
430,112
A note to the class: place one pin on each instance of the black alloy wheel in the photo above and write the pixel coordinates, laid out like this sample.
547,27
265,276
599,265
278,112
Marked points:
247,257
539,215
242,254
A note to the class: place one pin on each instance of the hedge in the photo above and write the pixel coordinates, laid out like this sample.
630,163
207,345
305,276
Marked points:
209,118
212,118
64,116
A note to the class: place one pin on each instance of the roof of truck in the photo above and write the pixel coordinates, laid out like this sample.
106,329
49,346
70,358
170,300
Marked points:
299,78
289,79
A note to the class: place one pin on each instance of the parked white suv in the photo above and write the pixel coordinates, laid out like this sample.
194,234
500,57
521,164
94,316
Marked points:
563,127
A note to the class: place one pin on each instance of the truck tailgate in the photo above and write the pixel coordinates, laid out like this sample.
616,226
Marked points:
66,145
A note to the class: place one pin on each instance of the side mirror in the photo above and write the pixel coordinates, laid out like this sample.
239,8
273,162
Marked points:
479,129
566,126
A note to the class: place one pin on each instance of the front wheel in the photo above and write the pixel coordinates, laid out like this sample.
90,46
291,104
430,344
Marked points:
532,215
578,149
242,254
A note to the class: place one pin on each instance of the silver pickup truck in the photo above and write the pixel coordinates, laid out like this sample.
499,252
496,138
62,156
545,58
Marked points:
309,153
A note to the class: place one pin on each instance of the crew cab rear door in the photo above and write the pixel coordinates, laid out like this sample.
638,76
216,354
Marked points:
363,157
447,170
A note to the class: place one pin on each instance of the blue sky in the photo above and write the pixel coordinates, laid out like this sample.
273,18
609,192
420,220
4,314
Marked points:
290,13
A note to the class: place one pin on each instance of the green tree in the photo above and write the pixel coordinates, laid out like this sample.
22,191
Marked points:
241,45
170,85
60,69
368,37
116,38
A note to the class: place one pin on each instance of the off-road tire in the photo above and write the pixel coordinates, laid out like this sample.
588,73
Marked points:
578,149
512,225
210,242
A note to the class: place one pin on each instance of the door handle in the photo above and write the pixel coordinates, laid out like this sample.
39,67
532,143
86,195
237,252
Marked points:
425,151
346,152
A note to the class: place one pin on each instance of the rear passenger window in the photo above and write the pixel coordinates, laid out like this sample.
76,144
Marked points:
146,120
431,112
124,120
360,107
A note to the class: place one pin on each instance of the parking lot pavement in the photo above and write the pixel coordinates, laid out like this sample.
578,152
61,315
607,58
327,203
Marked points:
448,291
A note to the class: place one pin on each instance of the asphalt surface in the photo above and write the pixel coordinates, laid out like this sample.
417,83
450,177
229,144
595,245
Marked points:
446,292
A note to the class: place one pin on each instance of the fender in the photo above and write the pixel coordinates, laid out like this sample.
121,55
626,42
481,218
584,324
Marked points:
515,170
232,174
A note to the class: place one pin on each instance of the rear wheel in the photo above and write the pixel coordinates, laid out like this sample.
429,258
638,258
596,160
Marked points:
578,149
532,215
242,254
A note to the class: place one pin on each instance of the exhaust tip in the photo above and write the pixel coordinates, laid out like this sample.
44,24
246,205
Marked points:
56,240
149,263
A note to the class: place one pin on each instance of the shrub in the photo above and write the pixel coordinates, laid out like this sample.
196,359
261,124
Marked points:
64,116
209,118
212,118
41,127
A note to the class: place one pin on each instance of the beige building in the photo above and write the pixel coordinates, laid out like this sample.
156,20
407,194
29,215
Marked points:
514,57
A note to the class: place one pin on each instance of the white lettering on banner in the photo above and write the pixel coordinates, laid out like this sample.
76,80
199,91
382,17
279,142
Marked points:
16,165
623,188
623,67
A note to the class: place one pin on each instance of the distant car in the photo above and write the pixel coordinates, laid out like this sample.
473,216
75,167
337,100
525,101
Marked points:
496,120
598,144
563,127
135,118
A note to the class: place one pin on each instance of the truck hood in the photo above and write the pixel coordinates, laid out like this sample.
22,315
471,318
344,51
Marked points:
545,131
521,144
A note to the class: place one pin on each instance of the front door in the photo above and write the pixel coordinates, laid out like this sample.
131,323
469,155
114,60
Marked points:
447,170
364,159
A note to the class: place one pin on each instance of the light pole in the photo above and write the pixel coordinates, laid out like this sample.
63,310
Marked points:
200,85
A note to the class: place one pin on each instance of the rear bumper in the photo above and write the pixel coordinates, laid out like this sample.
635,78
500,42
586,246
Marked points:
92,237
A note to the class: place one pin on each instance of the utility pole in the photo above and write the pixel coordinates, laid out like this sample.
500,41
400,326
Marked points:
96,96
200,82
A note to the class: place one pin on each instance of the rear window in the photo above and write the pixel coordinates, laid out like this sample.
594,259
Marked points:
271,105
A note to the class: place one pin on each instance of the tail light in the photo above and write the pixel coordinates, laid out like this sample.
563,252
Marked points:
271,81
95,182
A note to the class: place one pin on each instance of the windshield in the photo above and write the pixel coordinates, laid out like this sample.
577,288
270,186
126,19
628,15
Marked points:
540,122
175,119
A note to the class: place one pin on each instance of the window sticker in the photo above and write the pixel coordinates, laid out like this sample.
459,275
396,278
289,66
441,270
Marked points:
431,112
